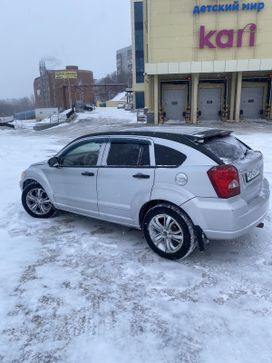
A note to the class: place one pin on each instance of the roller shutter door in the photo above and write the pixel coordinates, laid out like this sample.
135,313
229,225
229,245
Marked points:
174,102
209,103
252,102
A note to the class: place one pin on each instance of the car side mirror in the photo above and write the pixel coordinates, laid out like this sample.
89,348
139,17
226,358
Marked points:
54,162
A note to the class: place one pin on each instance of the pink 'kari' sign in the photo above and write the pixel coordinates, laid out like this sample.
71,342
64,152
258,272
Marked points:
228,38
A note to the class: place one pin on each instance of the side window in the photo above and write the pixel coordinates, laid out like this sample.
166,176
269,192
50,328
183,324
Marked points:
168,157
128,154
84,155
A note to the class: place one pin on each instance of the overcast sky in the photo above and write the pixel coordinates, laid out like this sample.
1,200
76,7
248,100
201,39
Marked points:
86,33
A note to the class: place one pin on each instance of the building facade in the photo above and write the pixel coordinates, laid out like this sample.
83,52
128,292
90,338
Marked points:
63,88
202,59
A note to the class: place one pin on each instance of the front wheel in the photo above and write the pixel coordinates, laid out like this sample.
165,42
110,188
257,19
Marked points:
169,232
36,202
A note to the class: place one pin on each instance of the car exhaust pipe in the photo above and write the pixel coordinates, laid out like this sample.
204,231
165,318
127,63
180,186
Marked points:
260,225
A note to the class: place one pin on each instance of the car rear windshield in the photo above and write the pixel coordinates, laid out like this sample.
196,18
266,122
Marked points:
228,148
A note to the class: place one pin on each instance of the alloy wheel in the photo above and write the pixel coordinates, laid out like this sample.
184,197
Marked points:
38,202
166,233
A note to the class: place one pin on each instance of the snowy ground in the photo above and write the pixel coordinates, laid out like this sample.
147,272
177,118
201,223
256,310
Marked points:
78,290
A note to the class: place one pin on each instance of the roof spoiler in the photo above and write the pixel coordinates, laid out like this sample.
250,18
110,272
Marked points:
206,135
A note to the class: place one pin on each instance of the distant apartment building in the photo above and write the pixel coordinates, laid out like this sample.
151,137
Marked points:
63,88
124,64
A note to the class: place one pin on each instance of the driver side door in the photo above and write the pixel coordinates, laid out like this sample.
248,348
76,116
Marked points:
74,181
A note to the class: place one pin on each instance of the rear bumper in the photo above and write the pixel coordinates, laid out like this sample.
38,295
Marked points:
228,218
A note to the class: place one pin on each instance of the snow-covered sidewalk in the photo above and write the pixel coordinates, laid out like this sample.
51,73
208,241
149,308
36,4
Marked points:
78,290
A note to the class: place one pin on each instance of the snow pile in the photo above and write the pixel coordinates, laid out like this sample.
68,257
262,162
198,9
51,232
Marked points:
119,97
24,124
103,113
108,113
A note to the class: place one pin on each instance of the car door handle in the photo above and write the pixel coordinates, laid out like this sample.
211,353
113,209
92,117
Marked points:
141,176
87,173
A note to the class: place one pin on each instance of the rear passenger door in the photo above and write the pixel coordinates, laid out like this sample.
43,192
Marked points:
125,180
168,170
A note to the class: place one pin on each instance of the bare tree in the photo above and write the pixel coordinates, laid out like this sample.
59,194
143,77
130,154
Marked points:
108,79
125,77
8,107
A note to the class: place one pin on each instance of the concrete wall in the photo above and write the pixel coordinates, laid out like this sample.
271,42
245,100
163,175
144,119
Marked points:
42,113
112,103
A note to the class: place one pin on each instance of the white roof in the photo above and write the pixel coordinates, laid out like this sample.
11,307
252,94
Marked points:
120,97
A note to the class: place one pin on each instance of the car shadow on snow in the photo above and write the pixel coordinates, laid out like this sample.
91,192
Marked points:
65,227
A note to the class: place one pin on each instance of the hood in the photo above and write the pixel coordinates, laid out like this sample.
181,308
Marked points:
44,162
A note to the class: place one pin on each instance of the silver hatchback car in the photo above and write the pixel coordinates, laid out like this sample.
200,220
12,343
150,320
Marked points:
179,185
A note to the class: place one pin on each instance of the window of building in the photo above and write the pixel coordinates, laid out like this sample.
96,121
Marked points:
139,41
139,100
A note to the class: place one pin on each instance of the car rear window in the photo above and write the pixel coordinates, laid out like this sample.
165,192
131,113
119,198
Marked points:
228,148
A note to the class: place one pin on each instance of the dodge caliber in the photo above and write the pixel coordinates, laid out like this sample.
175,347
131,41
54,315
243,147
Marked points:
181,186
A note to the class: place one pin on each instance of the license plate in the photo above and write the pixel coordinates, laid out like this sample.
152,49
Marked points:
252,175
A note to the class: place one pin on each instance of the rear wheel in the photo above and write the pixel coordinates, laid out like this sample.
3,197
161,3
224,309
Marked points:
36,201
169,232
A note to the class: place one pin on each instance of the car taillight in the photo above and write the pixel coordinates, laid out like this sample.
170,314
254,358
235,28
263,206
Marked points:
225,180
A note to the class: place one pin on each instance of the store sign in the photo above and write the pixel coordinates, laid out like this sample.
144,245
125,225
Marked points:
235,6
227,38
65,74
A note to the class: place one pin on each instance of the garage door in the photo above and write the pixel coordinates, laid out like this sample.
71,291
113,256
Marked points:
252,102
174,101
209,103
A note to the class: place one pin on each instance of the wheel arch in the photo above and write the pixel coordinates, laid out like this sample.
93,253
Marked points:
42,183
189,232
152,203
29,181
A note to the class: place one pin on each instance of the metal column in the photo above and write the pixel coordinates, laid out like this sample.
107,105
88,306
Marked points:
238,96
232,96
156,99
194,100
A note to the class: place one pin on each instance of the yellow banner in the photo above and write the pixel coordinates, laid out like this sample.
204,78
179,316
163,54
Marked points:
65,75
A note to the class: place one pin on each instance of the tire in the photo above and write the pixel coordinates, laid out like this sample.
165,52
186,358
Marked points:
169,232
36,202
